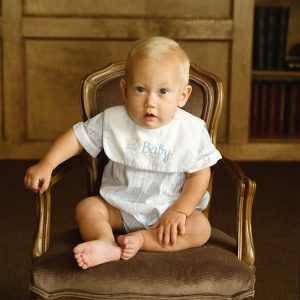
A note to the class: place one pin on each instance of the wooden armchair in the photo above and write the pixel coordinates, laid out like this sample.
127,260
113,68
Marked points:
221,269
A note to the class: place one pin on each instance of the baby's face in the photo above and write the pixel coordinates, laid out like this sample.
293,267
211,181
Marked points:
153,90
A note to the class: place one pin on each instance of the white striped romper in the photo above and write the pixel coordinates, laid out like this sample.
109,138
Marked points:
147,167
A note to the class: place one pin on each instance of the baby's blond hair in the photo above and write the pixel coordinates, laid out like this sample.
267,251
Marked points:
156,47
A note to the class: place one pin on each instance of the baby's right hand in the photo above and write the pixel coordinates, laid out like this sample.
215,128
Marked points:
37,177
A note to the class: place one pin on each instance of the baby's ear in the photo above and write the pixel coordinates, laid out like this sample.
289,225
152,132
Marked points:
123,88
185,94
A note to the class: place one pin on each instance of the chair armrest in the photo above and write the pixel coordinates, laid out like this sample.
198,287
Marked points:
245,194
42,235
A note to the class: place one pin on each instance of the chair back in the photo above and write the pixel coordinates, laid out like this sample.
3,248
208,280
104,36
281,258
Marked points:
101,89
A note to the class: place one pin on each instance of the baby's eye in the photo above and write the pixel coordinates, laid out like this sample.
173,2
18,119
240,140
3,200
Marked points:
140,89
163,91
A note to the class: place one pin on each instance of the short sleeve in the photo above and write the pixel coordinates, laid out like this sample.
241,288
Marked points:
207,154
90,134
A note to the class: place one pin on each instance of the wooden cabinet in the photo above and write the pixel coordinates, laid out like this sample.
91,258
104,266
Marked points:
275,106
275,101
47,47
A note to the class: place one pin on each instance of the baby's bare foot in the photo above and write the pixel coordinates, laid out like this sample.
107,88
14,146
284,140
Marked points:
93,253
130,243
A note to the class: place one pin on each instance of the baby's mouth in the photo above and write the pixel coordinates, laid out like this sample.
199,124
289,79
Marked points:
149,116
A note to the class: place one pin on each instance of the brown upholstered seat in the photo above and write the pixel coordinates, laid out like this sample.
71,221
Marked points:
221,269
215,270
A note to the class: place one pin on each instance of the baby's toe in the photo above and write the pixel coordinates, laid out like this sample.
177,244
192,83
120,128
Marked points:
128,247
125,256
78,256
128,251
78,249
82,264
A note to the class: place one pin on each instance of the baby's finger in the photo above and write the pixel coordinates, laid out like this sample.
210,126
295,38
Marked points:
167,235
160,234
173,234
35,184
43,185
27,182
181,228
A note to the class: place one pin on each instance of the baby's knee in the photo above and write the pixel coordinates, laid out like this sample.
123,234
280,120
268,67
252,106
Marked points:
201,229
206,230
89,206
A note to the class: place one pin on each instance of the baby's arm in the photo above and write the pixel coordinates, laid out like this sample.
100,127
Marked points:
173,221
37,177
193,190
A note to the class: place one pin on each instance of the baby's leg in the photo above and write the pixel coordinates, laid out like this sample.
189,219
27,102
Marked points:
96,220
197,233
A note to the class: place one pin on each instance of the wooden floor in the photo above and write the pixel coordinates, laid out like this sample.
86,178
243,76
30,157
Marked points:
275,224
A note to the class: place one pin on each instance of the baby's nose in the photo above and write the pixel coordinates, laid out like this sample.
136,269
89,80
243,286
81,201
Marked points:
151,100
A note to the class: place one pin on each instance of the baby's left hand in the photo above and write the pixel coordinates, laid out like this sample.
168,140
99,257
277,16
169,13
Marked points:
170,224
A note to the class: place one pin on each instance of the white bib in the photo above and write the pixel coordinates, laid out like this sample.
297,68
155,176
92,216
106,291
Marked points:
171,148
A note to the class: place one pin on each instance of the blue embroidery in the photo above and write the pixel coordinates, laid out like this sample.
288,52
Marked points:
157,151
132,146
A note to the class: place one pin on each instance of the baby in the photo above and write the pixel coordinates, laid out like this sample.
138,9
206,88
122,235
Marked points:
154,186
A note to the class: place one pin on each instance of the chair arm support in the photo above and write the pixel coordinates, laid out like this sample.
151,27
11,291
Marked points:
42,236
245,195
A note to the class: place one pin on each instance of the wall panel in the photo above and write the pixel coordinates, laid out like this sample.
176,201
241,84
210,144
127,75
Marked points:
206,54
1,96
54,71
132,8
1,71
49,46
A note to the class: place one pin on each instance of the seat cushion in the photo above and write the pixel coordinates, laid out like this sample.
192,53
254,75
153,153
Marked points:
208,272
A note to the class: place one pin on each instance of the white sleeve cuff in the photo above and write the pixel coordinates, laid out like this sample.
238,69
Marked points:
84,140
